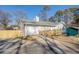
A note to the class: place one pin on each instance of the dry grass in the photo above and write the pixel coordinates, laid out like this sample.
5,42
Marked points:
10,34
71,39
51,33
31,38
57,35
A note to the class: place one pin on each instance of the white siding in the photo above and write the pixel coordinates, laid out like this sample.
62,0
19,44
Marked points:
31,30
34,30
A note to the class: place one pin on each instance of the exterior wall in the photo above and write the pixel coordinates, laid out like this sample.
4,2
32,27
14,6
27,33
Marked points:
31,30
34,30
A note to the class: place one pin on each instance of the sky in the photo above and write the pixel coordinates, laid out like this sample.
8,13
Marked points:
33,10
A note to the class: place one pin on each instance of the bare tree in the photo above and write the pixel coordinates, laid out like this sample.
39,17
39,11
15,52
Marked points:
5,18
20,15
44,13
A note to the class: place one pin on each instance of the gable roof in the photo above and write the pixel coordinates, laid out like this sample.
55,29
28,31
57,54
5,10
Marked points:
34,23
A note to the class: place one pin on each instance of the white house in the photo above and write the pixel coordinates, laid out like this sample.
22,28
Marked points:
35,26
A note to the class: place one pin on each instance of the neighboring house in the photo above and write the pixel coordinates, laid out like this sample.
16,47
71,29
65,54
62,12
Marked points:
14,27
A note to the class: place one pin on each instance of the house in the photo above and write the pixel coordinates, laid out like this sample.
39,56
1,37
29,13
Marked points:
14,27
33,28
